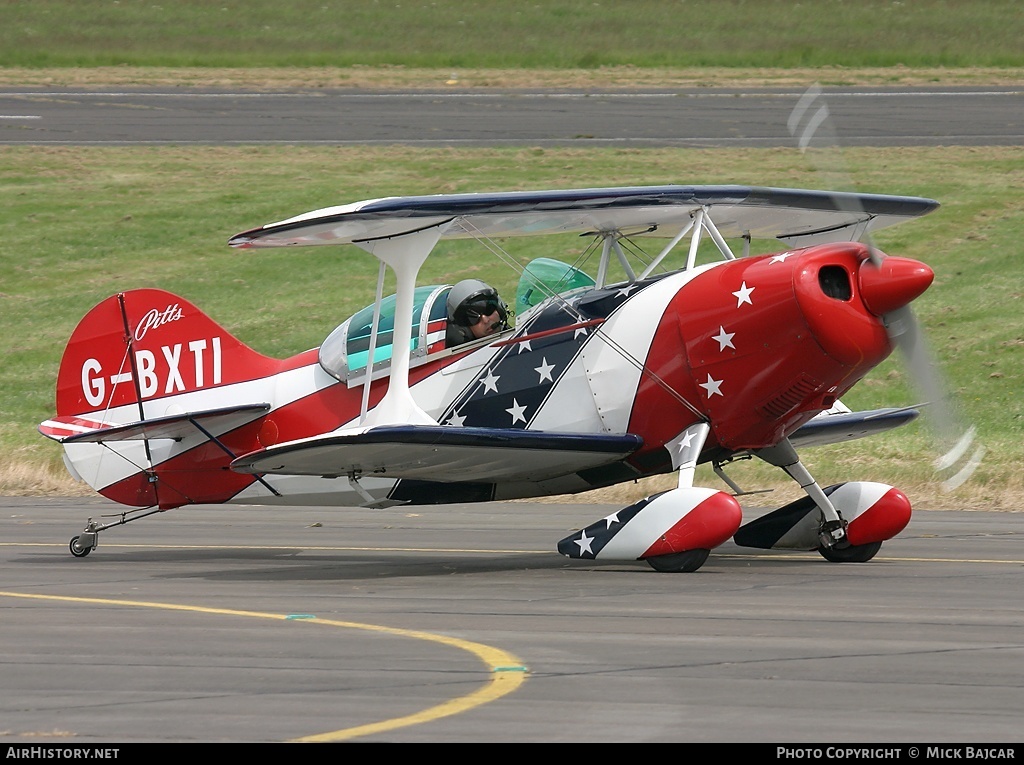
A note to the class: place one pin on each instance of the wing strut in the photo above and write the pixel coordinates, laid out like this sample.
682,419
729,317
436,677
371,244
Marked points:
716,235
700,222
373,343
667,249
610,241
405,254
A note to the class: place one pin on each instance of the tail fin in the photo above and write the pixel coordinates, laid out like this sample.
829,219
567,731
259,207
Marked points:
141,346
146,410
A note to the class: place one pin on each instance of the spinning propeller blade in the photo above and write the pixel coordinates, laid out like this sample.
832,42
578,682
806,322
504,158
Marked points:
811,124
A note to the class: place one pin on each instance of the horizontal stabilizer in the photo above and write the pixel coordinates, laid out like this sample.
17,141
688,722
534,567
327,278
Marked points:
828,428
72,430
442,453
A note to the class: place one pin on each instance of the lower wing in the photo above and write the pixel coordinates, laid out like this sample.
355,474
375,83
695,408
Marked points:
441,453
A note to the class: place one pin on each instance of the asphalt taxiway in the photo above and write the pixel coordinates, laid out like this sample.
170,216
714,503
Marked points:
462,623
453,117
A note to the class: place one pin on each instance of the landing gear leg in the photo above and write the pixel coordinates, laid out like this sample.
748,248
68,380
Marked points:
832,532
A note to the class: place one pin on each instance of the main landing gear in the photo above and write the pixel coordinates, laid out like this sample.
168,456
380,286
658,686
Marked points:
679,563
832,531
850,553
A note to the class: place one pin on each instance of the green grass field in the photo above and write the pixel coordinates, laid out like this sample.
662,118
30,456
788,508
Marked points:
83,223
79,224
473,34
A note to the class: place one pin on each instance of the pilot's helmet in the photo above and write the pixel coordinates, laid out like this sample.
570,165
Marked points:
470,299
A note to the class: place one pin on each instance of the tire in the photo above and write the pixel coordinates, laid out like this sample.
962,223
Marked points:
679,563
76,548
851,554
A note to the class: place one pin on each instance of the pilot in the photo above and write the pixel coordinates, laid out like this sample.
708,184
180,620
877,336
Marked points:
474,311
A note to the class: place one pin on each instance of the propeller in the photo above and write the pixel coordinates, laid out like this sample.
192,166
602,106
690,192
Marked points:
811,125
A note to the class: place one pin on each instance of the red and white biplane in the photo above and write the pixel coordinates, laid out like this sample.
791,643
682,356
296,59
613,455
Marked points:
601,379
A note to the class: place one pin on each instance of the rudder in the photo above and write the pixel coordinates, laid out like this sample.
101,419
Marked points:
143,345
138,368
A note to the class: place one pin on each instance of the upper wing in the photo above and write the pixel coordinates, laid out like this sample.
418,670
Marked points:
441,453
795,216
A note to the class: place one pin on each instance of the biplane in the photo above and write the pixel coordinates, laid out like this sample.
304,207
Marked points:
611,372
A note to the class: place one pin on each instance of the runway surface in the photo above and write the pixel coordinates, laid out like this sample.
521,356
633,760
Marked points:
701,117
462,624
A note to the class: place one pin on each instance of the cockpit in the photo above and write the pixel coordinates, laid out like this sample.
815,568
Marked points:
347,351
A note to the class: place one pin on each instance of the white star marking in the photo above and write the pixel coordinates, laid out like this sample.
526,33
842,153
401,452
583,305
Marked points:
524,346
584,543
743,294
580,331
624,292
517,412
456,419
613,518
544,370
685,442
490,382
712,386
779,258
724,339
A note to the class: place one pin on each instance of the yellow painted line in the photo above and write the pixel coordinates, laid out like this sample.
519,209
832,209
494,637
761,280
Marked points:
507,672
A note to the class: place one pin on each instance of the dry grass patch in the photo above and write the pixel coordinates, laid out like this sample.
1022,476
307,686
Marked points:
392,77
30,479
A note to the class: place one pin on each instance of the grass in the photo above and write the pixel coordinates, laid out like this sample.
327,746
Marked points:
83,223
555,34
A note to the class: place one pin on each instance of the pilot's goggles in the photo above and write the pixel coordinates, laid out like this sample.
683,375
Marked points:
480,308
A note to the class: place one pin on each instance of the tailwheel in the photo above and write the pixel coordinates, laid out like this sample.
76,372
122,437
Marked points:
679,563
79,547
88,540
850,553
